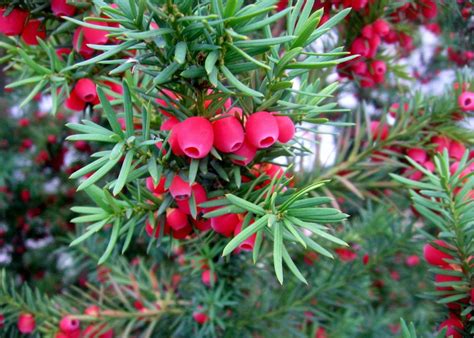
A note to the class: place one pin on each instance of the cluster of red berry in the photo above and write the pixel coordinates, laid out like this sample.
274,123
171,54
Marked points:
367,68
69,327
17,23
436,257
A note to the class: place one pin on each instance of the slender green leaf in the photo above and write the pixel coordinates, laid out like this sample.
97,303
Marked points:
278,251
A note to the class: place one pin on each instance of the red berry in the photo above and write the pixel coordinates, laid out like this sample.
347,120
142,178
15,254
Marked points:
440,278
261,130
429,9
453,326
13,23
456,150
153,231
412,260
169,123
199,316
51,138
381,27
180,189
359,68
435,256
346,255
24,122
360,46
225,224
374,44
378,67
247,152
173,140
367,31
391,37
429,166
69,324
182,233
86,90
26,323
81,47
202,224
466,101
228,134
96,36
92,310
200,196
33,30
286,128
418,155
156,189
195,137
62,8
249,242
441,142
176,219
25,195
208,277
73,102
379,131
320,333
406,41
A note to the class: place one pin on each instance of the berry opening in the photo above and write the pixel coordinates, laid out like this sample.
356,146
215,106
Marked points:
267,142
182,197
467,102
192,152
89,97
236,147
